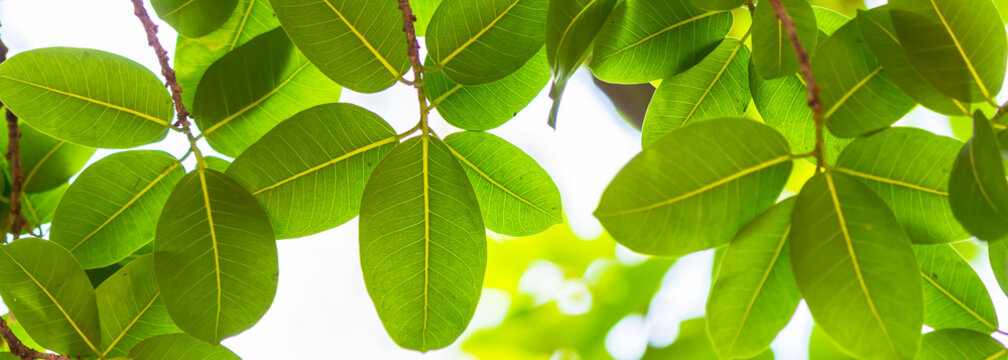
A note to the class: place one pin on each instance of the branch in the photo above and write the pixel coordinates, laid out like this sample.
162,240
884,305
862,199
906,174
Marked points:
806,71
166,69
19,349
413,47
15,218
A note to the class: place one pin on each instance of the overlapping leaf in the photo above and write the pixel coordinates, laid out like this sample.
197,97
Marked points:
194,18
47,162
309,172
773,54
39,208
131,309
571,26
997,254
978,192
424,11
954,296
179,346
718,4
951,344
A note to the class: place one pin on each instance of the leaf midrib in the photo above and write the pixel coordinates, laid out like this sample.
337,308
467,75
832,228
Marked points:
213,239
563,36
256,103
130,326
363,40
427,239
241,26
669,28
38,165
338,159
444,61
91,100
759,287
980,184
962,53
717,77
850,92
957,301
886,180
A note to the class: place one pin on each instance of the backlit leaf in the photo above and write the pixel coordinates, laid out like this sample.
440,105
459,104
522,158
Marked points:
773,53
954,296
978,192
131,308
194,18
179,346
949,344
571,26
47,162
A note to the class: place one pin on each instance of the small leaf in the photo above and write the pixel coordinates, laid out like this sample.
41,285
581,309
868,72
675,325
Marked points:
978,192
821,347
87,96
732,169
855,268
131,308
255,87
517,197
648,40
328,152
357,43
194,18
954,296
170,346
856,95
216,163
571,26
754,294
716,87
484,107
480,41
424,11
111,210
963,343
828,21
958,46
48,292
39,208
909,169
773,53
422,244
215,257
47,162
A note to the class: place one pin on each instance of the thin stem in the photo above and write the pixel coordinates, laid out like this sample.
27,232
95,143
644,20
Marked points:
806,70
15,219
408,132
414,54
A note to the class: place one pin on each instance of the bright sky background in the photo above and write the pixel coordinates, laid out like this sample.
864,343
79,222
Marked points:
322,309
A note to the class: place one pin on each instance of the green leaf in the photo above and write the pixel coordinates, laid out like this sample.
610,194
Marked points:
424,11
194,18
422,244
821,347
484,107
783,104
49,293
978,192
856,95
954,296
480,41
754,294
571,27
47,162
87,96
39,208
773,54
718,4
359,44
855,268
194,55
909,169
131,308
19,332
708,179
828,21
716,87
215,257
648,40
111,210
309,172
958,46
879,34
253,88
694,344
176,346
997,254
517,197
949,344
216,163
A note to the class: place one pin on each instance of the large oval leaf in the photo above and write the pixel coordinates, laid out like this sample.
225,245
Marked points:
86,96
954,296
909,169
194,55
176,346
111,210
856,95
131,308
250,90
215,257
48,292
194,18
48,162
648,40
495,38
716,87
320,184
879,35
855,268
731,169
517,197
773,54
754,294
422,244
571,26
978,192
359,44
484,107
963,343
958,46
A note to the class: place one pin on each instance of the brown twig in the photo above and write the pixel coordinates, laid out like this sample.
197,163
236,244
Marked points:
15,219
806,70
166,69
19,349
413,47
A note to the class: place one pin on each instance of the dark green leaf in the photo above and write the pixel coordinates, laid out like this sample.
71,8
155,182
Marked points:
194,18
87,96
255,87
978,191
571,26
773,53
179,346
997,254
422,244
754,294
357,43
309,172
954,296
648,40
131,308
855,268
960,344
48,162
215,257
111,210
707,179
517,197
480,41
